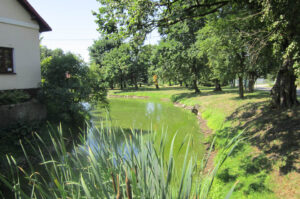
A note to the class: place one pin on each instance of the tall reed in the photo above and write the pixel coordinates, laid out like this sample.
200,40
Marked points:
107,164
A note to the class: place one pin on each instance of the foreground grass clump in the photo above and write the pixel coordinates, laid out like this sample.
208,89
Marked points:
108,164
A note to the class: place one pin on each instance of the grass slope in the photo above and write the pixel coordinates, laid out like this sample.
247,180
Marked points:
266,164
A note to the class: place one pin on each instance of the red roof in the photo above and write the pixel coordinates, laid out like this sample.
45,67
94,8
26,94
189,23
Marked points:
44,27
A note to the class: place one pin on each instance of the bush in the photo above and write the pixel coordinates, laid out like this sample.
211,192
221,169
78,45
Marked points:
10,137
13,97
67,82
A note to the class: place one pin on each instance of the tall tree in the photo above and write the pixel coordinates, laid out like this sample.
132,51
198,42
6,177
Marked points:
183,35
100,47
282,20
117,64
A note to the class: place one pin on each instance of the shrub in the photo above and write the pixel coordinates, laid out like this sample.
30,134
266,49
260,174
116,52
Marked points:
13,97
67,82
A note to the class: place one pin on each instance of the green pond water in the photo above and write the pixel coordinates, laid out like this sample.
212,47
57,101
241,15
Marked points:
151,116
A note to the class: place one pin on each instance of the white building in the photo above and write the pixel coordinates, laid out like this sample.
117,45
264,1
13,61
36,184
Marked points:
20,26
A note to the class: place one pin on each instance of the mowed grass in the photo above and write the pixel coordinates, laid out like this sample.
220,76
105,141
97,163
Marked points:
266,164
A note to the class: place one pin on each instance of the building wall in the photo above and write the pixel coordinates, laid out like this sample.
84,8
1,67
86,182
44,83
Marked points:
20,32
22,112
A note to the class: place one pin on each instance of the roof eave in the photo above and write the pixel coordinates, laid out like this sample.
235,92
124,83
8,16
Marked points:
44,26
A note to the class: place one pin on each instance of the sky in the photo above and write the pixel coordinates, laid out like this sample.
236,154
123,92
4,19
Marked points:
73,25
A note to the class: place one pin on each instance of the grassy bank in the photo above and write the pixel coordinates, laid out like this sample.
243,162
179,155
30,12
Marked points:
266,165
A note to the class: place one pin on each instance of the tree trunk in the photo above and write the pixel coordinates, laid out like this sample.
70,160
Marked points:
241,87
186,84
140,85
136,86
170,83
180,83
284,92
252,80
245,84
233,83
241,72
194,70
111,85
196,87
217,85
156,86
121,84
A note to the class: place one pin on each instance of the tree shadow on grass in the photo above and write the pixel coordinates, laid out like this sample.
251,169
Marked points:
255,95
170,88
275,132
130,89
180,96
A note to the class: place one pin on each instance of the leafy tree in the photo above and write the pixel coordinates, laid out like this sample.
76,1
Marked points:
233,48
221,42
116,65
180,54
129,17
282,22
121,63
66,82
144,63
100,47
167,60
279,26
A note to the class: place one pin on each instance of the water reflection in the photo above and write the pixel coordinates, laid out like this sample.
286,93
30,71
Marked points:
118,141
150,107
153,111
154,116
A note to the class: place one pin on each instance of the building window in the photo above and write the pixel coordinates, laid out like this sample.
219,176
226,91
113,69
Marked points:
6,60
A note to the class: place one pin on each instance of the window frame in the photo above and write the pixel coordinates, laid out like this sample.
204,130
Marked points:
12,61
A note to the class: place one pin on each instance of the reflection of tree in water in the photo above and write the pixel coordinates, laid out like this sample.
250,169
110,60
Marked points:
153,111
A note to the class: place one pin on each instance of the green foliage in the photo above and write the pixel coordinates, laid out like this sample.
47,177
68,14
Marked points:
14,133
127,18
166,60
13,97
102,167
100,47
66,83
244,39
175,58
298,82
117,64
120,63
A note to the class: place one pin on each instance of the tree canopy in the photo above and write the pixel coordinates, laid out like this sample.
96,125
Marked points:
216,40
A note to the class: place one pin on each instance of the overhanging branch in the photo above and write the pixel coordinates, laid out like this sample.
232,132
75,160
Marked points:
166,22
